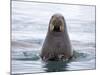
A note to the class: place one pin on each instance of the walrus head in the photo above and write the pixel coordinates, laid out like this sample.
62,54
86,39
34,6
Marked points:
57,23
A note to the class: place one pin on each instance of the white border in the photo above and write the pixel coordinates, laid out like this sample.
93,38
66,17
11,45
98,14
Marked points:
5,37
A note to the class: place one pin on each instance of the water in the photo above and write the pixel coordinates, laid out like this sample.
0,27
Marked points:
29,27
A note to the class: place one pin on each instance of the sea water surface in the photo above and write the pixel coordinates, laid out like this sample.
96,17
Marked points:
29,27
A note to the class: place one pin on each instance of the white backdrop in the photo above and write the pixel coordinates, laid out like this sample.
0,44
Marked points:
5,37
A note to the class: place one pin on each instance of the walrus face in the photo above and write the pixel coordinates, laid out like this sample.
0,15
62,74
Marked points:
57,23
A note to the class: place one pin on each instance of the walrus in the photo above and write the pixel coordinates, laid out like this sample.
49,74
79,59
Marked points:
57,45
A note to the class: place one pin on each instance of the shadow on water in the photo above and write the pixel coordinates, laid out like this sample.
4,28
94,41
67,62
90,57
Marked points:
55,66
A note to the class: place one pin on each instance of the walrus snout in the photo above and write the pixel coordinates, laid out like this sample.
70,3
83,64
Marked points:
56,23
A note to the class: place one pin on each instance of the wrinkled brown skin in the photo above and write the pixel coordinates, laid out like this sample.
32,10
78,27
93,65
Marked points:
57,45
